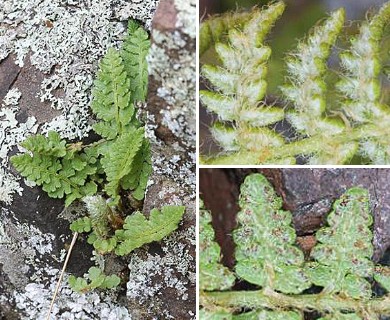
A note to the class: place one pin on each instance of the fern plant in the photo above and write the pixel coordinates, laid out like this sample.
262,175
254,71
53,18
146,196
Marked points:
266,256
121,159
354,126
99,172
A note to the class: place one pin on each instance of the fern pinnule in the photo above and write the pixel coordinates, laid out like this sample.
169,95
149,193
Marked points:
216,27
265,254
343,258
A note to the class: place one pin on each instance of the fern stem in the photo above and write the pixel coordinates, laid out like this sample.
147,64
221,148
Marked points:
273,300
301,147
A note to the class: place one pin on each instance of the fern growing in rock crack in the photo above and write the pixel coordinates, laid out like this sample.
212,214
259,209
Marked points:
123,153
357,126
267,257
97,173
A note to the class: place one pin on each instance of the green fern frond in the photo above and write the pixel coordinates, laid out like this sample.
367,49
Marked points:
52,145
212,274
59,172
141,169
80,225
97,279
111,95
134,51
118,160
138,230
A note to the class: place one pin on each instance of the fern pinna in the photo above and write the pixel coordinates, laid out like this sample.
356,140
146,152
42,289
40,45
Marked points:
266,256
351,129
98,173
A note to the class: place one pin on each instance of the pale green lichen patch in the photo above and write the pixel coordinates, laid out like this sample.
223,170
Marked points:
12,132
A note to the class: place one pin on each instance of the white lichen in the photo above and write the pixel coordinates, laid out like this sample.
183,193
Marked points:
22,247
9,185
12,132
34,302
12,97
176,268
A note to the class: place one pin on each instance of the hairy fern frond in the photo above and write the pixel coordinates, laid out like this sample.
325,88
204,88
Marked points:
242,85
212,274
265,254
306,68
362,86
353,129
